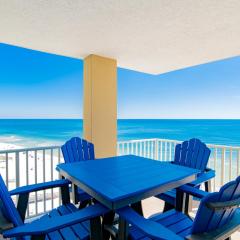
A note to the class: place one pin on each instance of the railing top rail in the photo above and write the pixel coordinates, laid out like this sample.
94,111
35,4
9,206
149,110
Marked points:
210,145
137,140
223,146
28,149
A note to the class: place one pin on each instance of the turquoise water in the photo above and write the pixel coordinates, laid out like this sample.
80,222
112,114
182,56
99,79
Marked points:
44,132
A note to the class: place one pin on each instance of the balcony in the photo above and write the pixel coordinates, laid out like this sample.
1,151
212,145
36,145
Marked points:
153,39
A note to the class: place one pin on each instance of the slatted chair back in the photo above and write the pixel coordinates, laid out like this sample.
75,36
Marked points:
77,149
7,206
217,209
192,153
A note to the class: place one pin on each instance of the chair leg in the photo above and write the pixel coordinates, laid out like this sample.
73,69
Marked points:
208,187
22,205
186,204
167,207
138,207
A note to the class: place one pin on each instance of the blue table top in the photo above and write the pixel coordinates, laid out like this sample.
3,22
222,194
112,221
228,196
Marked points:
118,181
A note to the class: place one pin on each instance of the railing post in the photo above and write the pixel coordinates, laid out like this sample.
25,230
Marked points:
238,159
223,166
156,149
17,170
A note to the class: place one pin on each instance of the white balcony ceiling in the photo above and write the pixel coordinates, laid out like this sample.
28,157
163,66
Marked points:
153,36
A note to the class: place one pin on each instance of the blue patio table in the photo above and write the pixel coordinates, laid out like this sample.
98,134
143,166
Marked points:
119,181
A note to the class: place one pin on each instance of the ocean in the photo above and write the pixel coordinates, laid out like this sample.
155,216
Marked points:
44,132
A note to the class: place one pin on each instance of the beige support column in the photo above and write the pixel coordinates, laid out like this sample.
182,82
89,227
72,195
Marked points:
100,104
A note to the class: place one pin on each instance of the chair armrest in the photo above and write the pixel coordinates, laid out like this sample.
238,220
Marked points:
39,187
44,226
227,205
193,191
150,228
203,177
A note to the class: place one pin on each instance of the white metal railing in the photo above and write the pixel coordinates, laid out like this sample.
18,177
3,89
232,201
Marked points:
21,167
32,165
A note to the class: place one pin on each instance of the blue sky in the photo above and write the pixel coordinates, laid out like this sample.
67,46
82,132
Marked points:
39,85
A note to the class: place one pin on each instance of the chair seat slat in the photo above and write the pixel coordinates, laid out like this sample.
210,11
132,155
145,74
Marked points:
78,229
67,232
52,235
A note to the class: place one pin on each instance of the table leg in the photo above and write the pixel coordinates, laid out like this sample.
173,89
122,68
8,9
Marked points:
74,193
123,229
95,229
180,197
107,220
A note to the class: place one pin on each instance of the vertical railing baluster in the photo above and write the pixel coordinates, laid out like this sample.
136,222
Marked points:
230,165
144,149
238,159
170,151
156,149
6,167
147,151
44,179
17,169
174,147
59,176
140,149
152,149
127,148
161,150
165,151
214,166
223,166
52,204
27,177
36,175
27,168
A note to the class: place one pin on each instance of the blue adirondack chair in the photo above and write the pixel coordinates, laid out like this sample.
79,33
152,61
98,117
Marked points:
194,154
65,222
76,150
218,216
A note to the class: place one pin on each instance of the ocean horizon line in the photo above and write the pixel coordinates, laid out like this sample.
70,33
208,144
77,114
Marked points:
124,119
